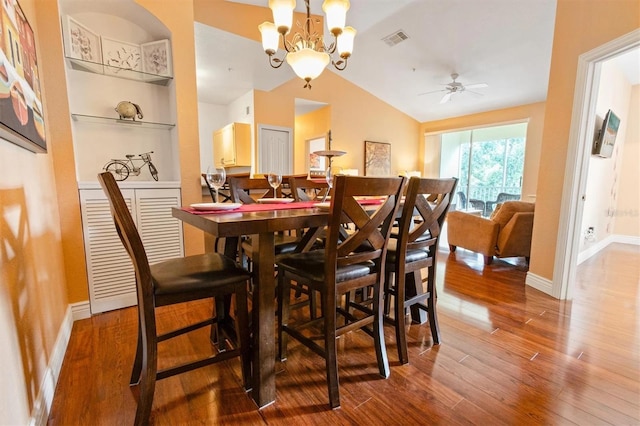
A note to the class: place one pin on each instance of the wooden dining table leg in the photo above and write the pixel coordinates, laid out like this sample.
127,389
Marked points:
263,324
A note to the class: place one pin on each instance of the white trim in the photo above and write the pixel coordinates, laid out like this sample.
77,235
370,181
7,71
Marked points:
626,239
538,282
80,310
42,405
594,249
602,244
578,153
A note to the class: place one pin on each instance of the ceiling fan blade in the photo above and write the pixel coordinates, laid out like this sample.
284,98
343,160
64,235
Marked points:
476,86
475,93
433,91
446,98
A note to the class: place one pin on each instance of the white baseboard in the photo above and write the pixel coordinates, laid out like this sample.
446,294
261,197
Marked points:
626,239
602,244
539,283
42,405
80,310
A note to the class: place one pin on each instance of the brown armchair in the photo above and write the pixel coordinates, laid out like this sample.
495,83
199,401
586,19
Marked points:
507,233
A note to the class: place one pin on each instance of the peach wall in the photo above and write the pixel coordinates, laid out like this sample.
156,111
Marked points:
533,113
627,217
178,18
356,116
581,25
33,295
309,126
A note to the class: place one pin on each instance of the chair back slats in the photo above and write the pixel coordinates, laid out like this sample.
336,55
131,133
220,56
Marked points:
300,187
242,187
367,241
127,230
421,221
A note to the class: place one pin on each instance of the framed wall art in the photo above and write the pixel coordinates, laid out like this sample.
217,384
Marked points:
83,44
317,163
21,108
377,158
156,58
120,56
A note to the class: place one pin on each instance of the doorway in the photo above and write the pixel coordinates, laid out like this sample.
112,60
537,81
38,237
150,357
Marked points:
578,154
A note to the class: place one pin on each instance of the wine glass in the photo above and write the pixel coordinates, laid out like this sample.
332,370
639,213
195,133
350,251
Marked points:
216,177
274,179
328,175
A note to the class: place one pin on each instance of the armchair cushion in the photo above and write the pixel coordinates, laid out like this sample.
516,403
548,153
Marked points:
472,232
506,233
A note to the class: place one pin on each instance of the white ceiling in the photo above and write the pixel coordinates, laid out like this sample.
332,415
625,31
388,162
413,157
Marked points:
504,43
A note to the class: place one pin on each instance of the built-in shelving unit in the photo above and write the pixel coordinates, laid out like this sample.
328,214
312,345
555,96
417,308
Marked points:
129,74
110,120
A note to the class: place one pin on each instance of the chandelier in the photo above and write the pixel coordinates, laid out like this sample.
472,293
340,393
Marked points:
306,52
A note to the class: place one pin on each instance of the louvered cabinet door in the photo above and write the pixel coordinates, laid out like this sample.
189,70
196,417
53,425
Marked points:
161,233
112,282
110,272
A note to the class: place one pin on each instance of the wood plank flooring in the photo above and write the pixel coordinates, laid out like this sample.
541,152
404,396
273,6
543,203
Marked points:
509,355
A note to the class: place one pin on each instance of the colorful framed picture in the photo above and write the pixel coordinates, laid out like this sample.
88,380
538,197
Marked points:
377,158
156,58
21,108
120,56
82,43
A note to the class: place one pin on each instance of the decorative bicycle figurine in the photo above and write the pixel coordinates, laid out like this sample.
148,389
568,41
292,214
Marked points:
121,169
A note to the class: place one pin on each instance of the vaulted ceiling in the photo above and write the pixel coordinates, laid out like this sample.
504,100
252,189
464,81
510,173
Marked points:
503,43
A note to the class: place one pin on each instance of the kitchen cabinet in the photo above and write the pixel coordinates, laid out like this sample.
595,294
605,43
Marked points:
232,145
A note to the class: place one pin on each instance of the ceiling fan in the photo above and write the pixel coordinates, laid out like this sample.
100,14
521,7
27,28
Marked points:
456,87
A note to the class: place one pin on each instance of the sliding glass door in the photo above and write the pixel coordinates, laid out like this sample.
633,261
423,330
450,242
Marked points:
488,162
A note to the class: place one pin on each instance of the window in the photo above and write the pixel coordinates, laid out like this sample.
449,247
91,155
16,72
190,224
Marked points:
488,162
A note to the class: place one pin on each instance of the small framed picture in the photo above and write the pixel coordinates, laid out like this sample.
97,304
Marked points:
156,58
82,43
377,158
120,56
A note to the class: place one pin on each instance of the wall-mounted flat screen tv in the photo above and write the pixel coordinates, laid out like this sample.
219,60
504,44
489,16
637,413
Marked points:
606,137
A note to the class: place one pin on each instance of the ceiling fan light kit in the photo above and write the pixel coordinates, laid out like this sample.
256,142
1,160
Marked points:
306,52
456,87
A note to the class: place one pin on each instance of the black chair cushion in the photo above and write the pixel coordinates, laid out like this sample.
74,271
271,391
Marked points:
413,255
311,266
195,273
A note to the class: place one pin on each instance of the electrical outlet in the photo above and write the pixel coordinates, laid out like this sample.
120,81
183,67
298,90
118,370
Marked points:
590,234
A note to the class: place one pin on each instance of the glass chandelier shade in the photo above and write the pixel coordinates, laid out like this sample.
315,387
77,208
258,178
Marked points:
306,51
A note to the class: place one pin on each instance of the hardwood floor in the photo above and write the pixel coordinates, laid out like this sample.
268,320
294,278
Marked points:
509,355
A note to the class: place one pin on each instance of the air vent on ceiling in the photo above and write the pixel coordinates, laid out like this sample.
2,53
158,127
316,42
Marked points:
395,38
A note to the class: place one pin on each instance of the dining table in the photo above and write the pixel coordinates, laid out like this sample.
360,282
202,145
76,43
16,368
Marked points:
261,222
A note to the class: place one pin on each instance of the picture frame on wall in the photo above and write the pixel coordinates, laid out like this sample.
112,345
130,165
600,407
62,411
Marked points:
156,58
317,163
83,45
21,107
119,57
377,158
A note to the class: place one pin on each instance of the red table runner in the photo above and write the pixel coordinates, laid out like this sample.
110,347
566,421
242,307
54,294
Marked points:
257,207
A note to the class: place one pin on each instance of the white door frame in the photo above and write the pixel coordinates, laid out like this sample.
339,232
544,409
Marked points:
262,127
578,154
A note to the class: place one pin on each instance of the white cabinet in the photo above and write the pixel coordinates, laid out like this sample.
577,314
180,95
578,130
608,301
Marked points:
110,272
232,145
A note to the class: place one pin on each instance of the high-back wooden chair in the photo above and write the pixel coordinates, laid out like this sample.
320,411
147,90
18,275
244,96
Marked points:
415,247
242,189
174,281
301,188
356,262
